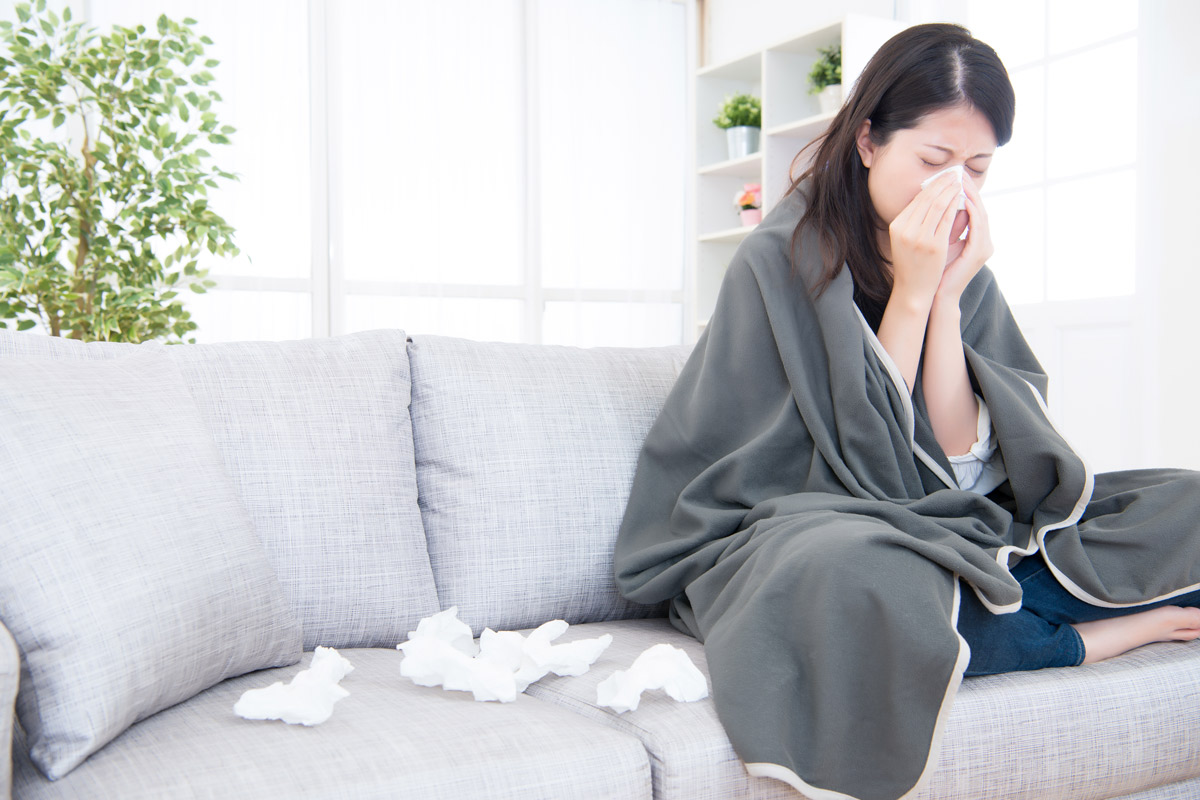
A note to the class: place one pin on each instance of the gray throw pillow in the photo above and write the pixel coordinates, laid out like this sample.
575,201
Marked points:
316,436
131,578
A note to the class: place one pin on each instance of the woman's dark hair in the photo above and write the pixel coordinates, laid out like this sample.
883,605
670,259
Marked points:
918,71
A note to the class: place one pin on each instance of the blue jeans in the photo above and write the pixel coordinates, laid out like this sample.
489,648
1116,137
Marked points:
1040,634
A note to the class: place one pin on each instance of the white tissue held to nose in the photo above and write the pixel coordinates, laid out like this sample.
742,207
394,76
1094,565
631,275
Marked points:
659,667
441,652
958,170
307,700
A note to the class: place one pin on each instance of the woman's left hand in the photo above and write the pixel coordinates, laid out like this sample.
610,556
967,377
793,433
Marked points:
966,257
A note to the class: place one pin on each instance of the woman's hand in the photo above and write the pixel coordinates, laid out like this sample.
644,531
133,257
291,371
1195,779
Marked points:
920,238
966,257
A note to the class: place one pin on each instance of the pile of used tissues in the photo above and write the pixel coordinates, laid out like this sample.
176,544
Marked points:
442,652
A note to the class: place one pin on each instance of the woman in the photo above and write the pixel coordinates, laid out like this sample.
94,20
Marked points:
853,495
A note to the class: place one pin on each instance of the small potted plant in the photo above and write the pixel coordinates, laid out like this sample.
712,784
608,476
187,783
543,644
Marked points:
741,119
825,79
749,203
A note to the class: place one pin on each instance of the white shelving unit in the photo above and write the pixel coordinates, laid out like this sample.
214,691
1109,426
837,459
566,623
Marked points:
778,76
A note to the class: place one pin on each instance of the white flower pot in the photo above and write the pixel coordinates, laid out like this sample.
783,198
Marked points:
830,98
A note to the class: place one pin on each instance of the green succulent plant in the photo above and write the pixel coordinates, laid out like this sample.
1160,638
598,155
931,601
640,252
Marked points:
104,177
740,109
828,69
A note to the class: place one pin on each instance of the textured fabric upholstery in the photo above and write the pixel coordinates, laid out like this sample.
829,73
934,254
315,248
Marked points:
525,455
1076,733
388,739
10,670
33,345
131,578
317,438
1080,733
1184,790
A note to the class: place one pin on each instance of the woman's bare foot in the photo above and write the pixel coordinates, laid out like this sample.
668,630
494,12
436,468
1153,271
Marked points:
1105,638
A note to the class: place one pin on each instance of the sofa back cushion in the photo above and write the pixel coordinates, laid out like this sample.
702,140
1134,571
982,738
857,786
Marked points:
316,436
525,457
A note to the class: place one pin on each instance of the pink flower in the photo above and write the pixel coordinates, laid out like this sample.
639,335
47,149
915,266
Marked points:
749,197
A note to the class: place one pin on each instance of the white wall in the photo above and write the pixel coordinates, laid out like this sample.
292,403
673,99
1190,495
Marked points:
736,27
1169,248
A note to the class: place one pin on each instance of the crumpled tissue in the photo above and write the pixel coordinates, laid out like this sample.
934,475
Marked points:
958,170
307,700
442,652
659,667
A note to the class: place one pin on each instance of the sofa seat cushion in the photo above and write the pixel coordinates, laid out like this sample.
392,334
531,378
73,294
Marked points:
389,738
1118,727
1168,791
690,755
317,439
525,456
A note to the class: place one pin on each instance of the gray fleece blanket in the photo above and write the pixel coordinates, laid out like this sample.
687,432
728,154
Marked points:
793,506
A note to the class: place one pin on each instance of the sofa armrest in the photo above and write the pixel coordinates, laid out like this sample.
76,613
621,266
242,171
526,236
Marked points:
10,673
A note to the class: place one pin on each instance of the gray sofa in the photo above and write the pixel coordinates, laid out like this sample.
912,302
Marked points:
382,479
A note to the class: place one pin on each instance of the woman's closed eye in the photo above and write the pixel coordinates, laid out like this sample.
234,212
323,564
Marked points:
970,169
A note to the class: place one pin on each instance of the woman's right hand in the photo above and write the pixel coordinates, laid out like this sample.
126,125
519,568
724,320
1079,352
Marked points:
920,239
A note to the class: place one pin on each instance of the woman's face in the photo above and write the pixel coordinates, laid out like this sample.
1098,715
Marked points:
944,138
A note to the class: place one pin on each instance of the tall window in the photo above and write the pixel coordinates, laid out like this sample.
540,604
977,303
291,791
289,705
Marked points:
1069,172
496,169
1063,200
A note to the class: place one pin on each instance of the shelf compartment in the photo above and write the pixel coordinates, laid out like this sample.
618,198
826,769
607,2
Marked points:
745,167
747,69
807,128
729,235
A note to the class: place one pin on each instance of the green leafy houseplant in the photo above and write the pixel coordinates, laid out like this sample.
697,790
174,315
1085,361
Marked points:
103,176
828,69
740,109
